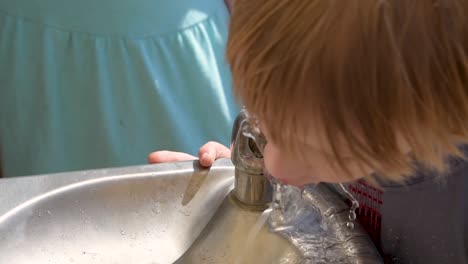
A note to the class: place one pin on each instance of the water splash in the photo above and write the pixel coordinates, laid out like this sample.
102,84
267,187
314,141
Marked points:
296,220
253,233
353,208
286,205
302,224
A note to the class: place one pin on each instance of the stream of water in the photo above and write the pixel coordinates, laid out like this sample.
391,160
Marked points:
298,221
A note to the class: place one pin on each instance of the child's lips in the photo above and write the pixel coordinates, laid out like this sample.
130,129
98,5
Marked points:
280,180
283,181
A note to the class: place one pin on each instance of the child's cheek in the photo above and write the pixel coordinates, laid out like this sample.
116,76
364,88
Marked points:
273,163
284,169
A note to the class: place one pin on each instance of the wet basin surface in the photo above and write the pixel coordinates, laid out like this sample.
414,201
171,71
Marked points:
168,213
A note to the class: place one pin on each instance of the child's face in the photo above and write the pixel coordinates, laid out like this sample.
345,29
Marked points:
316,167
318,164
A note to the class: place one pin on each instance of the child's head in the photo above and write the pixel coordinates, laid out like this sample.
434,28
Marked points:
346,88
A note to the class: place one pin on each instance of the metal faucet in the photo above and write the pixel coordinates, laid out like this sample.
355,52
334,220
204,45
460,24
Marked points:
251,187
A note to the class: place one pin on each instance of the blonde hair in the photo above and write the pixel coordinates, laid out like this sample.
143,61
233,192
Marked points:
369,74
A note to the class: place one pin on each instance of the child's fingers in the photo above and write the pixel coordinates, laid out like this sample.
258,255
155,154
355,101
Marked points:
212,151
208,153
168,156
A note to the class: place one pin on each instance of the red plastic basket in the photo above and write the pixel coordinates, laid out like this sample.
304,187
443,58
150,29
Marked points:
369,212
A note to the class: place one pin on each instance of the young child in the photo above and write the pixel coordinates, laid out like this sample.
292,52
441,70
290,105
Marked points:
345,90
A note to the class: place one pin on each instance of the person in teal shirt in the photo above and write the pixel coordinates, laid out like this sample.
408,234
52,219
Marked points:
90,84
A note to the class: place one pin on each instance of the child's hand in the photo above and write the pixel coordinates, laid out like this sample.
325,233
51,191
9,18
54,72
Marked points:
207,154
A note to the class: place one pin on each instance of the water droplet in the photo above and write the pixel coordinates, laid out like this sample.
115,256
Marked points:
62,236
350,225
352,215
184,212
354,205
49,213
122,233
72,260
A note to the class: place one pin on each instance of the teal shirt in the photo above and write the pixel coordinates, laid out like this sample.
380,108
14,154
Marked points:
102,83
